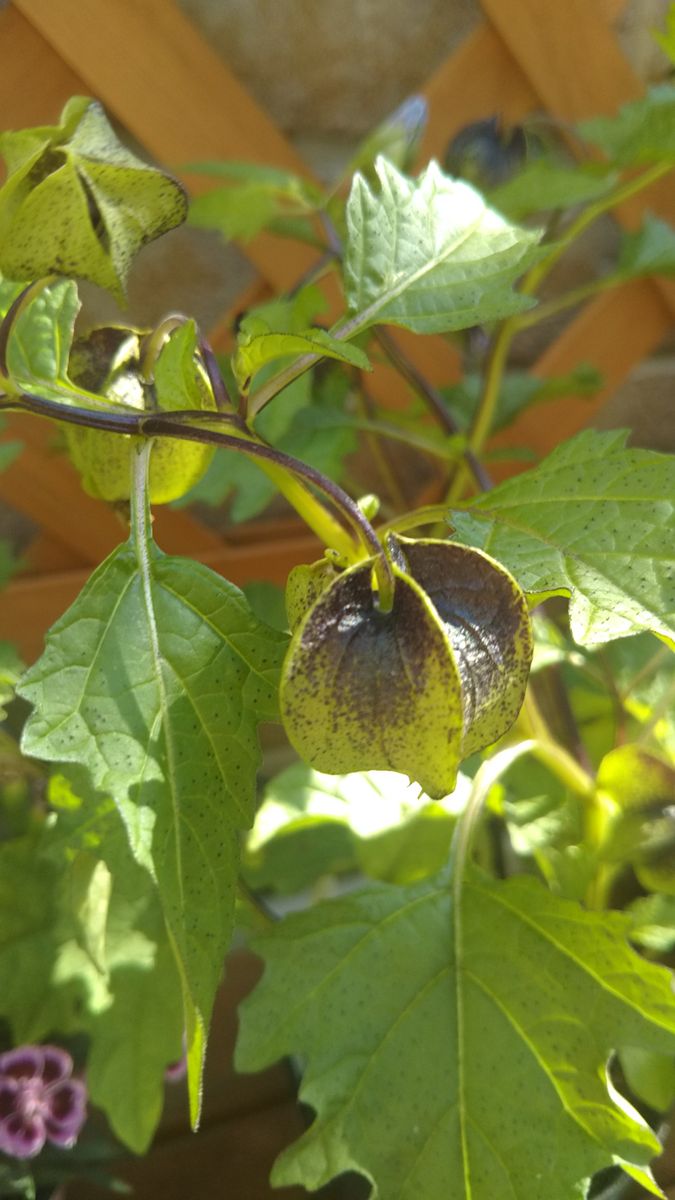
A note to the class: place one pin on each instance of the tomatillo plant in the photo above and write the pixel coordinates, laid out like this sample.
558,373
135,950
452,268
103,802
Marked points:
482,1013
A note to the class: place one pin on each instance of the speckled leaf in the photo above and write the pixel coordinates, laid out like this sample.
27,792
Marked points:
76,202
154,680
429,254
486,618
595,521
641,132
440,1078
256,348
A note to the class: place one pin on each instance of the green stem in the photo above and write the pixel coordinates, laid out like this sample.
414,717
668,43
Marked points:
625,191
356,535
543,311
484,415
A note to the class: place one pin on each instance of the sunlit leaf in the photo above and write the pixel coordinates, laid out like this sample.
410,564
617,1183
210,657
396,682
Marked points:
310,824
154,680
439,1076
643,131
429,254
256,346
595,521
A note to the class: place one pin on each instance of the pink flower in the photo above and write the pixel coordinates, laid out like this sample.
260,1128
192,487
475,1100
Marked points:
39,1101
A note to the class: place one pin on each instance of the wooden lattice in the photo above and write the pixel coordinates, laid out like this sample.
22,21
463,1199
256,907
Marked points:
154,72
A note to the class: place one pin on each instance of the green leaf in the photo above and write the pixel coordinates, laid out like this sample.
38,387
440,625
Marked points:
304,420
543,185
519,391
87,951
258,346
430,255
9,292
154,680
419,687
650,1076
653,922
666,40
40,339
256,196
11,668
649,251
643,131
594,521
310,824
76,202
439,1077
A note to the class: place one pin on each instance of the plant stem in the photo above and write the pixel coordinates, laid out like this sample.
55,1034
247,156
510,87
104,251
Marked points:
484,415
624,191
543,311
287,471
433,400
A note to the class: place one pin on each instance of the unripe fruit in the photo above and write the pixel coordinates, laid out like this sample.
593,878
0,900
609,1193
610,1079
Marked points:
107,362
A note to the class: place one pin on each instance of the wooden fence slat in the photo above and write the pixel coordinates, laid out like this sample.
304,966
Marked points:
545,38
569,54
35,82
42,483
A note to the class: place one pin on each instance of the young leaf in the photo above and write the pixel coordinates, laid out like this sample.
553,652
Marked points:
594,521
256,347
543,185
39,342
641,132
429,254
440,1077
154,680
256,197
519,390
76,202
397,139
649,251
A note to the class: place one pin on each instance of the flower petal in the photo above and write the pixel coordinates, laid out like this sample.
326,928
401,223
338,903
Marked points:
25,1062
57,1064
22,1137
67,1102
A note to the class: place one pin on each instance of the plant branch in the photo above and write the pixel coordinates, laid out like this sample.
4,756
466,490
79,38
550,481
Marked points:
432,398
484,416
185,425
